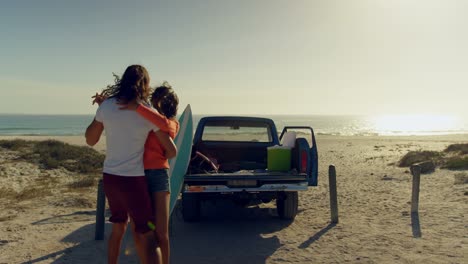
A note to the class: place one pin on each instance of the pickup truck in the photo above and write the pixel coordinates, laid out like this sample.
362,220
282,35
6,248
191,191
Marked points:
229,161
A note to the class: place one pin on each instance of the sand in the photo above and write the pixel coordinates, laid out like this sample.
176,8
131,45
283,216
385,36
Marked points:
374,215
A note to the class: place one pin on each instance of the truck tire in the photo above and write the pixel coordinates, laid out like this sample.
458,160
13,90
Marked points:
287,205
190,207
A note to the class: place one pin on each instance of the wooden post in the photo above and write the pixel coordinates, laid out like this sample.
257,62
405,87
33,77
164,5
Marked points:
416,172
333,194
100,210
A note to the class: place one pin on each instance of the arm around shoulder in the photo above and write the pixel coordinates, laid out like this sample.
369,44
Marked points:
153,116
94,132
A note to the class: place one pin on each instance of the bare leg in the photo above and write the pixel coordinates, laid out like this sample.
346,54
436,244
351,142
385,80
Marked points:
115,240
138,244
146,247
161,209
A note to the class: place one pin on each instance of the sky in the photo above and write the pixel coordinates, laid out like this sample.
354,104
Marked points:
243,57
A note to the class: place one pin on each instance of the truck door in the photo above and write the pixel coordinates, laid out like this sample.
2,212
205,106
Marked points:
308,155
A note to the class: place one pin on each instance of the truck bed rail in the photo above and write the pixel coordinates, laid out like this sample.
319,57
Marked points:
261,178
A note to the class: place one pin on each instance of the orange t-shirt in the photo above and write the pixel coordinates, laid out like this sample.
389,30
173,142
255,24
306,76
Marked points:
153,157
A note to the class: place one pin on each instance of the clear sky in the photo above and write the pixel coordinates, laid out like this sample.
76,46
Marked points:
242,56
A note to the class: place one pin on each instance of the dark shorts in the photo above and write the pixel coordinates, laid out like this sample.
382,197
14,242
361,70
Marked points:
128,196
158,180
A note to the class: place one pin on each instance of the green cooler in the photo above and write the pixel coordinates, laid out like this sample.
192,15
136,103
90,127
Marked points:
279,158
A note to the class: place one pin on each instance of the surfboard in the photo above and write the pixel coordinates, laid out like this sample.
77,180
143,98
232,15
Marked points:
179,164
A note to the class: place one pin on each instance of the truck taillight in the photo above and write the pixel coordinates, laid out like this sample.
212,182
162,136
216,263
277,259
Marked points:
304,158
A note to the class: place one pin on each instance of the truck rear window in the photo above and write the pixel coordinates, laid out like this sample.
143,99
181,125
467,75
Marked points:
237,133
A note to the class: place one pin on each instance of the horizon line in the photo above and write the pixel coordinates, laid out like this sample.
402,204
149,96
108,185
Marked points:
247,114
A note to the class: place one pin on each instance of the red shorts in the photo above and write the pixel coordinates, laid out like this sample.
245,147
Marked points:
128,196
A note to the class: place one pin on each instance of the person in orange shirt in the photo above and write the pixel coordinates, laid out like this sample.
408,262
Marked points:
157,149
166,102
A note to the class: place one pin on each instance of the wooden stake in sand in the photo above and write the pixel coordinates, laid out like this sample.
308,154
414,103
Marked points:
333,194
416,171
101,206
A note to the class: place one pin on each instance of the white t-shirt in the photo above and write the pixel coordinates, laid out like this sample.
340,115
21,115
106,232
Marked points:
126,133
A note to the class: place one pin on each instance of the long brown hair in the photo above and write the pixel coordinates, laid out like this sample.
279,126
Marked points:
134,84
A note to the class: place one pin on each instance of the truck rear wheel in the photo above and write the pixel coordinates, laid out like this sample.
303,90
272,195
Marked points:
190,207
287,205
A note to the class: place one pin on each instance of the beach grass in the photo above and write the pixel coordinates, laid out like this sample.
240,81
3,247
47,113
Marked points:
461,148
15,144
52,154
456,163
454,157
413,157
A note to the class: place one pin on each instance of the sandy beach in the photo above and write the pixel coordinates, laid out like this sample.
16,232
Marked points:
374,214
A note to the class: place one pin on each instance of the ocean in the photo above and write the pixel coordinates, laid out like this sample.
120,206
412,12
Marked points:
12,124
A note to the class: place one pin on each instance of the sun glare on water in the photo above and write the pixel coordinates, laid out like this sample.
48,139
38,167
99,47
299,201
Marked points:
415,124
